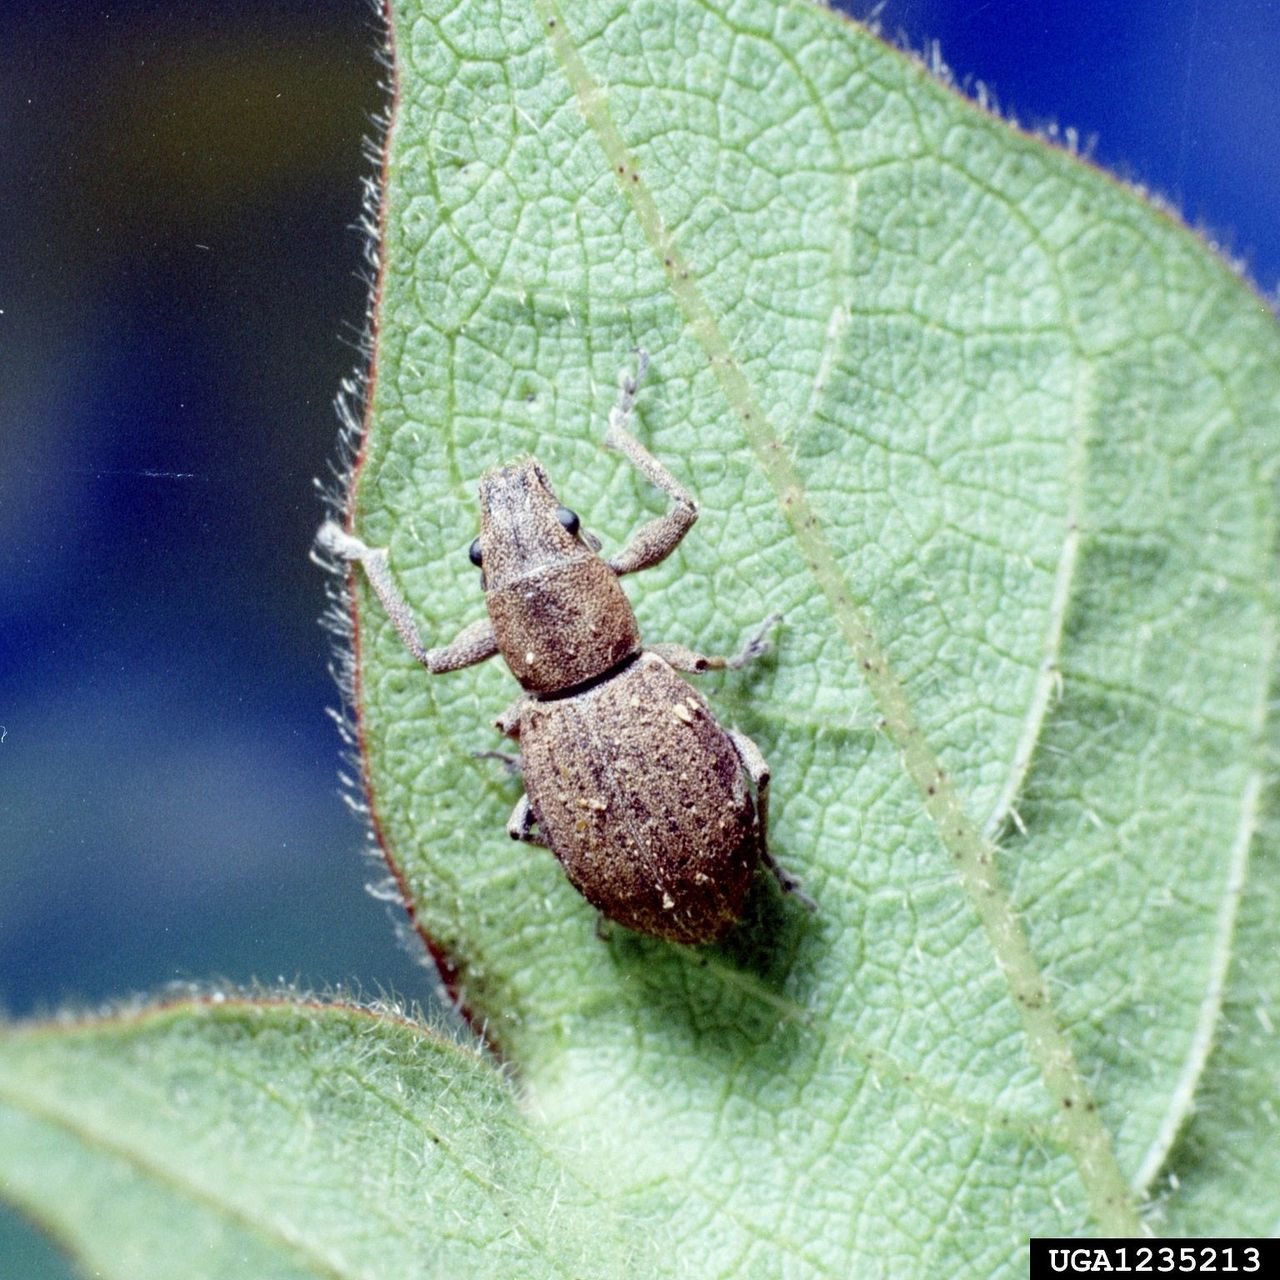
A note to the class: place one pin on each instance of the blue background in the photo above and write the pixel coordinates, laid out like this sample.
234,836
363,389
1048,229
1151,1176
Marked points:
180,293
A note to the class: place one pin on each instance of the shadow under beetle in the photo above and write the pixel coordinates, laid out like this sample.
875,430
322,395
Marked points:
629,779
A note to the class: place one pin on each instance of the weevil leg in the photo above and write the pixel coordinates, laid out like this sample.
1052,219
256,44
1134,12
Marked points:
508,722
521,823
655,541
472,644
510,762
686,659
788,883
753,761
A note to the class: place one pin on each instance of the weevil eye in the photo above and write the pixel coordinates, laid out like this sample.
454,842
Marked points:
568,518
473,552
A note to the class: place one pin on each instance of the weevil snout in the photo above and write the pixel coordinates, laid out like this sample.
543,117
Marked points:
524,528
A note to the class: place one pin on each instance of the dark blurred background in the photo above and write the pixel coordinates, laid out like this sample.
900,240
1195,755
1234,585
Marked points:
181,291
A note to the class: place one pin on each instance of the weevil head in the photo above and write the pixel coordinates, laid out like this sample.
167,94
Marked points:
557,610
524,529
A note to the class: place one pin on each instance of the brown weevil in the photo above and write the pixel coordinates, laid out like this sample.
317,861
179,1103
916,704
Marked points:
630,781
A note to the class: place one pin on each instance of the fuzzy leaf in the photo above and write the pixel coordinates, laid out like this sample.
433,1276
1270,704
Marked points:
997,437
260,1140
992,433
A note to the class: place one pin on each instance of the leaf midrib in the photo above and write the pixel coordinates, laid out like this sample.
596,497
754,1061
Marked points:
1084,1134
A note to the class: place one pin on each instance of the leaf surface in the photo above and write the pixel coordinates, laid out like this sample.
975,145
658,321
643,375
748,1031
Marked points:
292,1141
990,432
997,438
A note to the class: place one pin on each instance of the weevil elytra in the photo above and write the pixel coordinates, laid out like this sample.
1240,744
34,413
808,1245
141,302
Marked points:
629,779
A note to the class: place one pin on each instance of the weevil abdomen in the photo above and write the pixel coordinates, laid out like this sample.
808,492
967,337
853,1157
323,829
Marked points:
642,797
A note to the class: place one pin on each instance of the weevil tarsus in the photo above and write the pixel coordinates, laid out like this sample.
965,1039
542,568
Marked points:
694,663
789,884
474,643
653,542
510,762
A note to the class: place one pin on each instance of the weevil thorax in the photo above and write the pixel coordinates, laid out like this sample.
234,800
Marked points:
558,611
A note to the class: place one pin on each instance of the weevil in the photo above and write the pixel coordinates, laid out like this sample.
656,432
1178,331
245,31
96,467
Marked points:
656,812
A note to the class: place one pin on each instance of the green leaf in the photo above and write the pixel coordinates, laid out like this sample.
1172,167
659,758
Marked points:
1222,1168
257,1140
997,437
993,434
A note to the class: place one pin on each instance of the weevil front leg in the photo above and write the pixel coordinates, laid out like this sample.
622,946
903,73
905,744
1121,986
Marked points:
521,823
472,644
654,541
752,760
